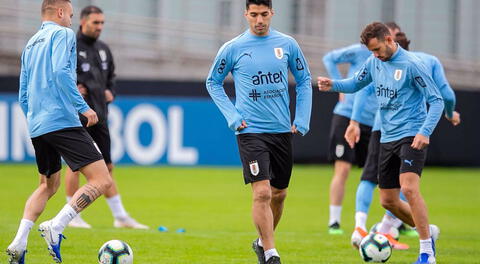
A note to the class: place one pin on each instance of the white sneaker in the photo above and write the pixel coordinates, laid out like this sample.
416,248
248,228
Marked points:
16,254
434,232
78,222
357,237
53,240
128,222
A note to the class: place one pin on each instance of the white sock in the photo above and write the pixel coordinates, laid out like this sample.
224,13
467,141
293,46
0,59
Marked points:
22,234
61,220
271,253
69,198
361,220
116,206
426,247
386,224
335,214
397,222
259,243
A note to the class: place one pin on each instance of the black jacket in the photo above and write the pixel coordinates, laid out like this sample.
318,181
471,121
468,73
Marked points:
96,71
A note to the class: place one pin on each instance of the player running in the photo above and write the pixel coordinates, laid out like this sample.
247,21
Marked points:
402,86
343,156
51,102
259,60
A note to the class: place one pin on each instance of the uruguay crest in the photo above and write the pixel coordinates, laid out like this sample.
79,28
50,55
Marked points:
254,169
398,75
278,53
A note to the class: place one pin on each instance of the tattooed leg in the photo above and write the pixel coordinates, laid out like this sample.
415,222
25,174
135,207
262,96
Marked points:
84,197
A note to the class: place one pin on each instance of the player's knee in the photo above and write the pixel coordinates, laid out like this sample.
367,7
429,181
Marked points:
388,202
279,196
263,195
409,191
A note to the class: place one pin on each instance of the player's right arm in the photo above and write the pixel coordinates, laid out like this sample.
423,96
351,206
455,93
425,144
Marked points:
351,85
63,48
446,91
222,65
334,57
23,95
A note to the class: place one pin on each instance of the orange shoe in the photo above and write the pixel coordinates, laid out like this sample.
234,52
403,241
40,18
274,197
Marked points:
395,244
357,236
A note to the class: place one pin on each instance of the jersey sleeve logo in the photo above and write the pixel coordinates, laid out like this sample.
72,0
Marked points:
420,81
279,53
300,66
398,75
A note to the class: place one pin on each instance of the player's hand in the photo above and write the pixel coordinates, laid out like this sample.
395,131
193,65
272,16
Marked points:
242,126
341,97
352,134
324,84
82,89
420,142
455,120
295,130
91,116
108,96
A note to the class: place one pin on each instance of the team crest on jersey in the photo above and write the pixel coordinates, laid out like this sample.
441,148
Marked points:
339,150
83,54
103,55
278,53
254,169
398,75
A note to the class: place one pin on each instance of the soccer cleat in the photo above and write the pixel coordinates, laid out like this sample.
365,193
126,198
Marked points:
53,240
259,251
395,244
16,255
434,232
407,231
128,222
334,229
357,236
274,260
78,222
424,258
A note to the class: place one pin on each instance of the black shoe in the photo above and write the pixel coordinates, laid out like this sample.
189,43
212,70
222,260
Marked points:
259,251
334,229
274,260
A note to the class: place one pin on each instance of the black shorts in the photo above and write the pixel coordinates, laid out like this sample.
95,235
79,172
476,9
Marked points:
266,157
339,148
101,136
370,170
74,145
399,157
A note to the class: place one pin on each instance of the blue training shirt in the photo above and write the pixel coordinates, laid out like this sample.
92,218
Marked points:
438,75
48,91
259,66
402,85
355,55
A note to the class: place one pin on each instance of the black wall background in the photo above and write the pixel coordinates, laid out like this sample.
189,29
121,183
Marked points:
449,146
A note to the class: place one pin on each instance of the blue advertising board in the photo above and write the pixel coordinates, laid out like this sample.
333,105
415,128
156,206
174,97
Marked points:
143,130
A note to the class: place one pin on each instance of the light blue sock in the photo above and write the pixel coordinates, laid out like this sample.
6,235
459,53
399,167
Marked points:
364,196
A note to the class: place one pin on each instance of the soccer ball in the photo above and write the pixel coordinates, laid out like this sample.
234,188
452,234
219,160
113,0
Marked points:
375,248
393,231
115,252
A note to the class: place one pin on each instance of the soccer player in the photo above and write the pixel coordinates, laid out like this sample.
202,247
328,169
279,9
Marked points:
51,102
339,151
259,60
96,82
402,86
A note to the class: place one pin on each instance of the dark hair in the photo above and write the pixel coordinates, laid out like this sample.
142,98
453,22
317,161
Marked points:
90,10
374,30
392,25
402,40
51,4
259,2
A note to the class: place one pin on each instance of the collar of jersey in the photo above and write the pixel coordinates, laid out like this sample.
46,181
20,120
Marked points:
48,23
260,37
397,53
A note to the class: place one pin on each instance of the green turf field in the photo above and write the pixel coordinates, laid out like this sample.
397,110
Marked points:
213,205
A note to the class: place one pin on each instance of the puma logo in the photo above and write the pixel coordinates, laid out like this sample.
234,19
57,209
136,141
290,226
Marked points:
409,162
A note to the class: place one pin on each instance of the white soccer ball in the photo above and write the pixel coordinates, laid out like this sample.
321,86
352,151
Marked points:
115,252
375,248
393,231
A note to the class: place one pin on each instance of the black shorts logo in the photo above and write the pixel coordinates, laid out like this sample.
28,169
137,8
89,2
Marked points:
254,169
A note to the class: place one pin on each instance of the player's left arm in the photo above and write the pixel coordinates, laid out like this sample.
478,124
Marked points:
299,67
425,84
446,90
23,95
110,93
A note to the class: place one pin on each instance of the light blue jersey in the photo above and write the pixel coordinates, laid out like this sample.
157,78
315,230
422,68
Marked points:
402,86
259,66
355,55
438,75
364,104
48,84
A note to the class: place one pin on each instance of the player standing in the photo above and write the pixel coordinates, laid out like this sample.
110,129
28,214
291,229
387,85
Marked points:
259,60
96,82
402,86
50,99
